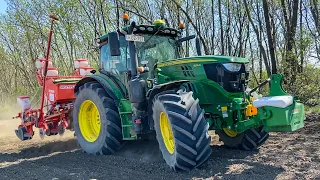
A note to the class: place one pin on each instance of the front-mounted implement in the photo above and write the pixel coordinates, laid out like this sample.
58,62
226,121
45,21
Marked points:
55,112
279,111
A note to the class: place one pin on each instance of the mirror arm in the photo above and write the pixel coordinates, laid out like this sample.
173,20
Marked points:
181,40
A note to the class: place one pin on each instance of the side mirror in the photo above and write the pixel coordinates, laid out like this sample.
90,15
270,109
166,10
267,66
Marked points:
114,43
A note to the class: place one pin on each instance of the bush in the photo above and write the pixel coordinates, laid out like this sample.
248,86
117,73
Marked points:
313,110
307,86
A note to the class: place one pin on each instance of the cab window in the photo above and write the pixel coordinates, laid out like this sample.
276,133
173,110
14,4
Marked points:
156,49
115,64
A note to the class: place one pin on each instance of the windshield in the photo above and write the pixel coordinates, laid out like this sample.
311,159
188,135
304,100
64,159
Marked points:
156,49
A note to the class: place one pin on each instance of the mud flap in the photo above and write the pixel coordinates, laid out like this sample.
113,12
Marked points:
287,119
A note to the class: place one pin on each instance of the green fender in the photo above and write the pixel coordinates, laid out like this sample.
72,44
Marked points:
107,83
157,89
118,93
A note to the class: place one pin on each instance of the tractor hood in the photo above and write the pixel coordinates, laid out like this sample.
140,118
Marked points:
204,59
228,72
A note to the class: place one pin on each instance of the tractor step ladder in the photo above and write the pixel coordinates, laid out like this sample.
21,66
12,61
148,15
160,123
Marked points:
125,112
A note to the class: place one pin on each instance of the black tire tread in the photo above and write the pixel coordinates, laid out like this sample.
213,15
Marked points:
113,138
192,141
249,140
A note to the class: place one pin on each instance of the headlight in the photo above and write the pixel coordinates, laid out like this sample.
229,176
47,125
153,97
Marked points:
233,67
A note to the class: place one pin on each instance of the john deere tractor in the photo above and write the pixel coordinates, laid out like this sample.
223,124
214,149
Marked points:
145,86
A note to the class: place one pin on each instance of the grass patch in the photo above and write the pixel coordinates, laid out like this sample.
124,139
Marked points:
313,109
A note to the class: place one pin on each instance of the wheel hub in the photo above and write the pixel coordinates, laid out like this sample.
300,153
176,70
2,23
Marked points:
89,121
166,132
230,133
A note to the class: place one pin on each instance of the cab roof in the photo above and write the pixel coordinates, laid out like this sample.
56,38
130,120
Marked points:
149,29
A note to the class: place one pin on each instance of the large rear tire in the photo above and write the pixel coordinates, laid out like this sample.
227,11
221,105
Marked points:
250,139
181,130
96,119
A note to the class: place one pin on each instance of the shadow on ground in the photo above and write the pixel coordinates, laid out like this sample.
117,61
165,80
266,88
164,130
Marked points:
136,160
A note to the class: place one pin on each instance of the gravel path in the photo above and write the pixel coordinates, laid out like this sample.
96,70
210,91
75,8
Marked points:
284,156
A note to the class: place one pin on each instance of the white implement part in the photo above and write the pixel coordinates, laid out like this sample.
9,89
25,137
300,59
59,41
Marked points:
81,63
85,71
254,94
52,72
41,62
274,101
24,102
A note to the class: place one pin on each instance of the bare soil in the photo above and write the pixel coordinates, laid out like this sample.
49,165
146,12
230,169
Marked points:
293,155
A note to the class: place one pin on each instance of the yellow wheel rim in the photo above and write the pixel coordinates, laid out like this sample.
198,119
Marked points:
166,132
89,121
230,133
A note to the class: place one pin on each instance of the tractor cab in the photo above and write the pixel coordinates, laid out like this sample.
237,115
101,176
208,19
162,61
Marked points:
152,44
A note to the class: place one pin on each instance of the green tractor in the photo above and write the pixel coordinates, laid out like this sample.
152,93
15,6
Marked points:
144,86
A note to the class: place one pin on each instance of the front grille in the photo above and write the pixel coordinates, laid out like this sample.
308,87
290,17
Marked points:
230,81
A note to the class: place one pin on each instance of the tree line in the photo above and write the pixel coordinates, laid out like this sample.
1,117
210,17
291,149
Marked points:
279,36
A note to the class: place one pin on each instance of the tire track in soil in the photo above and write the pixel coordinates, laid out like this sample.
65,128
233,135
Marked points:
284,156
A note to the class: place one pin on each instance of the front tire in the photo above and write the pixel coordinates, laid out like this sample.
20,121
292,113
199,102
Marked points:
97,123
181,130
250,139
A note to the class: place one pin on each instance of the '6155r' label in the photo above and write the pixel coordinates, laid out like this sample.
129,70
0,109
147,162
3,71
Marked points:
67,86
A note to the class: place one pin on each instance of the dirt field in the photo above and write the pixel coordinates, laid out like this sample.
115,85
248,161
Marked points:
284,156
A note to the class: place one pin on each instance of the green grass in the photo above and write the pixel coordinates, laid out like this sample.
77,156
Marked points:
313,110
